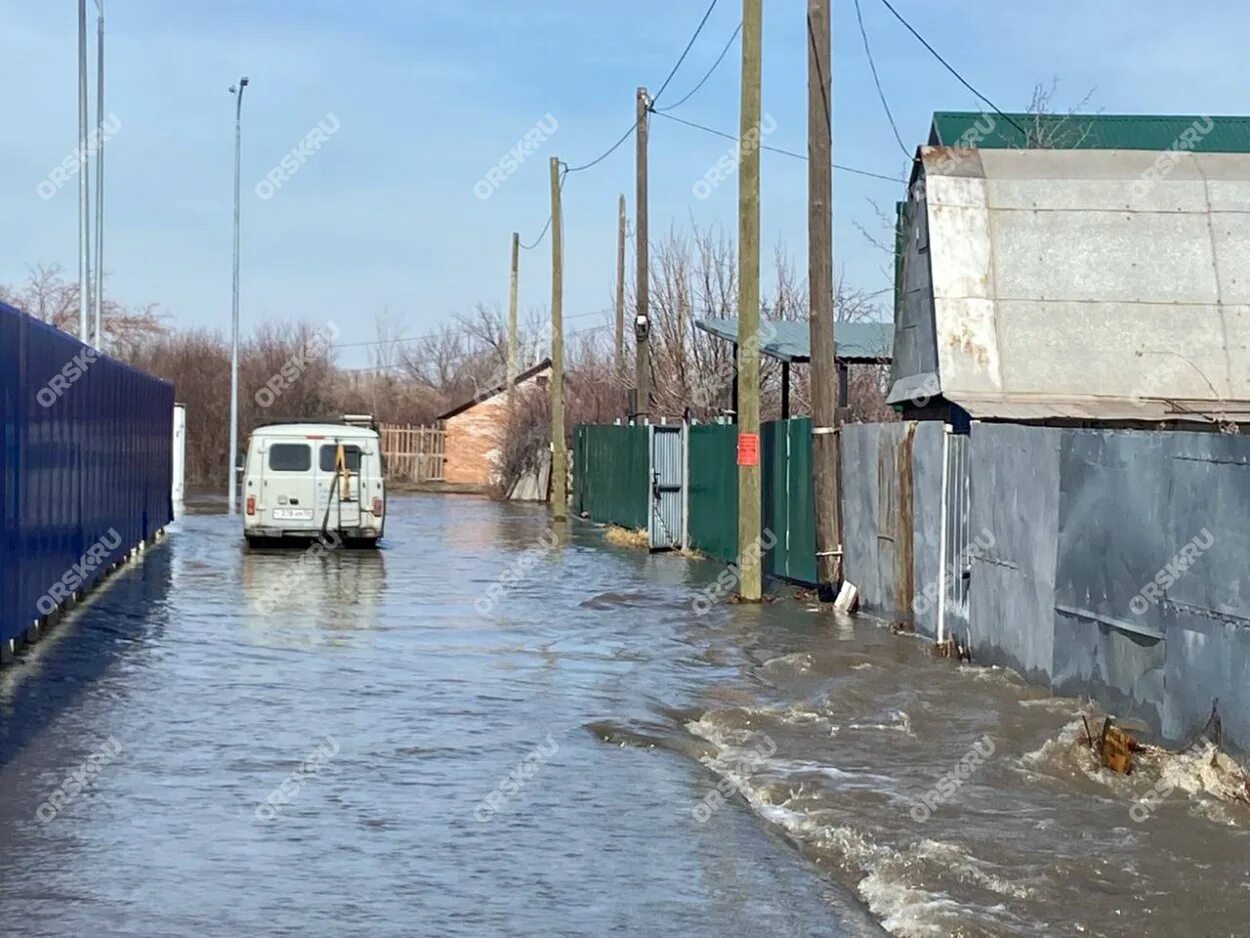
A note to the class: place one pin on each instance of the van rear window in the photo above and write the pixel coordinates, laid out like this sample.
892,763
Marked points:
290,457
350,453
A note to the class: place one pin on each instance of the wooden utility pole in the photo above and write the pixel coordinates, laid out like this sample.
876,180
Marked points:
642,322
619,363
820,288
512,337
559,454
749,508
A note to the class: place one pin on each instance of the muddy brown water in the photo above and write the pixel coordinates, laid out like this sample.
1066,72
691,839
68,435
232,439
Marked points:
473,733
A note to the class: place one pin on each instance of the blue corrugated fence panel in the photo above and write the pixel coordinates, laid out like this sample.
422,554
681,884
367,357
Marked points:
87,464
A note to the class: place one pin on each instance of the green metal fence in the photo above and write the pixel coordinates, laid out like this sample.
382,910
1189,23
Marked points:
789,499
610,475
712,505
612,486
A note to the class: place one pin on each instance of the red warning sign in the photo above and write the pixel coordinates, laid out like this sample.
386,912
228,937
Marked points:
748,449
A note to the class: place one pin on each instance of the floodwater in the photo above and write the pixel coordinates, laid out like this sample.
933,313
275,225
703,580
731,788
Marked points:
483,729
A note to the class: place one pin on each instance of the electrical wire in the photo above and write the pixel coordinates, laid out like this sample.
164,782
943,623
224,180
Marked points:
859,15
686,51
702,81
950,68
790,153
564,172
634,123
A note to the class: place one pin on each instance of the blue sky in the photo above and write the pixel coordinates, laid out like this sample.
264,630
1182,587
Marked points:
429,95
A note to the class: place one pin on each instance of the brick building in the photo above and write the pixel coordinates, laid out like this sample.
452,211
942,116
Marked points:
474,429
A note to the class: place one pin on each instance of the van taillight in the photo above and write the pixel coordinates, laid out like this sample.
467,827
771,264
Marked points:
251,505
377,508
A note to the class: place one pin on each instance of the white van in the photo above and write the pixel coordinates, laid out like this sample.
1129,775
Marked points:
309,480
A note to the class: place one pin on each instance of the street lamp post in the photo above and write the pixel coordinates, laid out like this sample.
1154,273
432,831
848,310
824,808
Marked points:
98,339
84,216
237,91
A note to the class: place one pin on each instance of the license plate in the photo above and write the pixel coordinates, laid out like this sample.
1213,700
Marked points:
292,514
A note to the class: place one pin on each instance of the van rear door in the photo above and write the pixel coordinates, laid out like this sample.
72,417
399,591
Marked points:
288,485
344,512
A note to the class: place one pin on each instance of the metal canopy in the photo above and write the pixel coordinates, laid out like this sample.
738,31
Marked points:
788,340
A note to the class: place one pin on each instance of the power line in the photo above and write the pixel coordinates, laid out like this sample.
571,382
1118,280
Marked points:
790,153
564,171
950,68
686,51
633,125
702,81
859,15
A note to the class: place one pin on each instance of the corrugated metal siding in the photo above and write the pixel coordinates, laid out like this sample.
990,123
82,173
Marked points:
97,460
611,475
713,493
1092,131
664,523
789,511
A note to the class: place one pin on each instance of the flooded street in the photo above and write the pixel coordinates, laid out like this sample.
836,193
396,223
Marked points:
472,732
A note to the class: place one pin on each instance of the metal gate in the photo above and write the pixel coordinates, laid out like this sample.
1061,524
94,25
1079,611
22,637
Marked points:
956,569
666,518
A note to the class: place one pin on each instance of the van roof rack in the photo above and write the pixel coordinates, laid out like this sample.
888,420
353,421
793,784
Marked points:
360,420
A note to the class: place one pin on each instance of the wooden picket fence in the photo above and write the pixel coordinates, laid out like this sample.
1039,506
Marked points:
413,453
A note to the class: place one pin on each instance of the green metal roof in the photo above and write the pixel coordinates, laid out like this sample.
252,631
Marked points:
1091,131
857,342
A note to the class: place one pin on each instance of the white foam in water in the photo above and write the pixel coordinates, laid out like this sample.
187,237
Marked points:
904,908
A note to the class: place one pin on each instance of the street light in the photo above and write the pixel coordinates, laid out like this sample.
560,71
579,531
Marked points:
98,340
237,91
84,237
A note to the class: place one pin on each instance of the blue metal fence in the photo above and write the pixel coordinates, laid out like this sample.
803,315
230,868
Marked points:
85,466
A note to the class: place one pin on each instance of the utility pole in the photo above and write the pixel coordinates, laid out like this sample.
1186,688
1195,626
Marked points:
559,454
749,508
232,499
642,322
99,178
84,211
512,338
619,362
821,323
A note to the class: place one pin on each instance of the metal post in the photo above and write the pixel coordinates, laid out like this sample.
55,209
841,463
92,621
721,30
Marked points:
98,338
233,493
84,211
